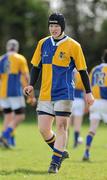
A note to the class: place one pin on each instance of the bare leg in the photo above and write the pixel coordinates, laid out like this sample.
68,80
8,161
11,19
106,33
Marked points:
61,134
92,131
8,118
45,126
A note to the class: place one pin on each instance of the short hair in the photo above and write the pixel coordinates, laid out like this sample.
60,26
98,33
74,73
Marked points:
12,45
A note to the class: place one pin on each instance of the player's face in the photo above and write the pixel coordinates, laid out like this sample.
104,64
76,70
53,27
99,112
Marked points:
55,30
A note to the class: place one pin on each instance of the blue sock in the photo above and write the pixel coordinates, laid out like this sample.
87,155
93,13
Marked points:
57,156
76,135
86,154
89,140
7,133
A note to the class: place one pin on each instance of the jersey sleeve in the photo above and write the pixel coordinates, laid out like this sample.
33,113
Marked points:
24,66
36,59
79,58
26,69
78,81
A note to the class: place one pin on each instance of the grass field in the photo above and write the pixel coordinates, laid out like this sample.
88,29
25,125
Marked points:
30,159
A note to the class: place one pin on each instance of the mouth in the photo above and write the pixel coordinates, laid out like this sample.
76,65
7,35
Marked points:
54,33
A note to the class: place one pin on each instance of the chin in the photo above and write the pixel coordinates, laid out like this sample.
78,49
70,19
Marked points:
55,37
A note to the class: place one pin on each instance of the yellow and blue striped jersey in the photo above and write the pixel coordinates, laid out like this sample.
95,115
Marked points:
57,61
98,79
12,66
79,88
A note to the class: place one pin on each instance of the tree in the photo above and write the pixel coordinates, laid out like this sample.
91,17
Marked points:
84,19
23,20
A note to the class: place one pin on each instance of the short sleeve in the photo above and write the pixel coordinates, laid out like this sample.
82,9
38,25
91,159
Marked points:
24,66
36,59
79,58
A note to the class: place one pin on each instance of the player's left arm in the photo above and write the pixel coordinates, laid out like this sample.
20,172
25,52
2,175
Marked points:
85,80
25,76
82,68
89,98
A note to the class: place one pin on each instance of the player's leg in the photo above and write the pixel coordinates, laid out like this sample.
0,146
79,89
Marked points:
45,127
8,118
45,121
9,132
95,117
19,117
69,124
77,128
60,143
18,106
7,112
92,131
78,112
62,111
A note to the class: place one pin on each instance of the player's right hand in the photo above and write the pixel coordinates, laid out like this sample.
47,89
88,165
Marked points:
28,90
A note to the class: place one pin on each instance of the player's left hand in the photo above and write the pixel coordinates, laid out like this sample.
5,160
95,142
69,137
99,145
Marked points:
89,98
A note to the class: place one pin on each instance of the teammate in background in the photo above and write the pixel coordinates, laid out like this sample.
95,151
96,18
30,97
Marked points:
78,108
12,67
98,111
57,55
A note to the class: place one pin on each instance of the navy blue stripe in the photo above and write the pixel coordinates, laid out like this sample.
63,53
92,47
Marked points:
60,113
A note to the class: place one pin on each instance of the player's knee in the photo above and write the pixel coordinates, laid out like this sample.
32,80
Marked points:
43,130
92,132
62,126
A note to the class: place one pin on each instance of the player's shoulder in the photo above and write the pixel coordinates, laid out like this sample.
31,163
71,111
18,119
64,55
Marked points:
72,41
99,67
20,57
3,56
94,68
104,65
41,41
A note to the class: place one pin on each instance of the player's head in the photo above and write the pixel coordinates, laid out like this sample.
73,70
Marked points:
104,56
58,20
12,45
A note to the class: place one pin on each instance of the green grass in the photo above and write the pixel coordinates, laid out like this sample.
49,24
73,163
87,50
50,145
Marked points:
31,158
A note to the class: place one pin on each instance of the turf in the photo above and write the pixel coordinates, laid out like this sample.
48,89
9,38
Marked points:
30,159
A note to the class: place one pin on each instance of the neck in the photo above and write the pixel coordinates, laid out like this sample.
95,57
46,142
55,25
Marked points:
61,36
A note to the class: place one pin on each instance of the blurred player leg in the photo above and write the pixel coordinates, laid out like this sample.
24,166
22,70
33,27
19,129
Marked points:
12,119
77,128
92,131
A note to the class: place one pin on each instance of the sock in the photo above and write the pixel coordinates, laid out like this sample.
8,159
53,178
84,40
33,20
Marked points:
86,154
7,133
12,139
76,136
51,141
89,140
57,156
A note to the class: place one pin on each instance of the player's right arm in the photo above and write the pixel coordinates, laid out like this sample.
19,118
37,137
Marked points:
34,74
35,70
